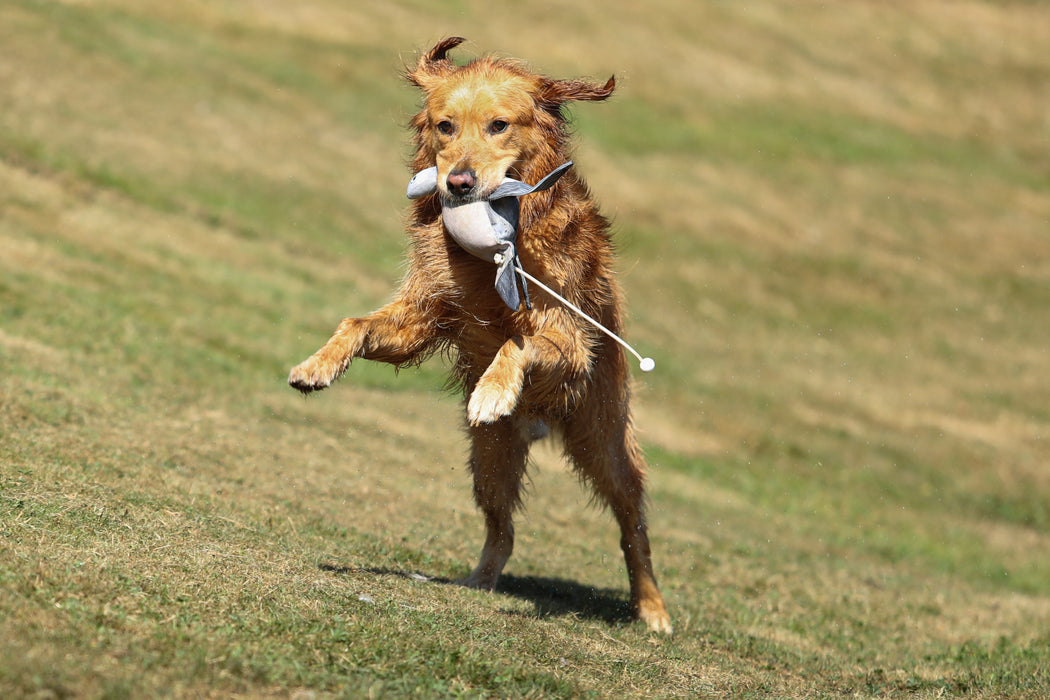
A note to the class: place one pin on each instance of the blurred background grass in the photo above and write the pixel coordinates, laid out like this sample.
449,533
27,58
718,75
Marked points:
833,226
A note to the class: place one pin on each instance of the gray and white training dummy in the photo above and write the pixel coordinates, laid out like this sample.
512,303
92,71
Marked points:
487,228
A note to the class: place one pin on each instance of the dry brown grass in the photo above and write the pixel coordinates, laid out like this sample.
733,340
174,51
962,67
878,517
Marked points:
833,222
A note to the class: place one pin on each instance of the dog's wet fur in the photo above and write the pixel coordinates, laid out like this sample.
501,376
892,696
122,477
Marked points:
519,370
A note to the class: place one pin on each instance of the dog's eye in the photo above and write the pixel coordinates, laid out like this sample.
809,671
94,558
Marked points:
445,127
498,126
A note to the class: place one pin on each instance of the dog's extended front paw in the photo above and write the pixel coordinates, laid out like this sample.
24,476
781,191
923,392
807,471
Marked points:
313,374
490,401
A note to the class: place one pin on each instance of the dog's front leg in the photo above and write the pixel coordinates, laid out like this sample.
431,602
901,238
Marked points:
328,364
397,334
497,392
550,358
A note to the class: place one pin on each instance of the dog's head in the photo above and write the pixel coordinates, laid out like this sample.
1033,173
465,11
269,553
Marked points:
489,119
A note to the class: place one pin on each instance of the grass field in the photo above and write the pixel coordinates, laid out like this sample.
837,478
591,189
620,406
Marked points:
834,228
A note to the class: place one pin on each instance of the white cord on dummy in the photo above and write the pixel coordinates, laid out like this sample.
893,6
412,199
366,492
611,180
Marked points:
646,364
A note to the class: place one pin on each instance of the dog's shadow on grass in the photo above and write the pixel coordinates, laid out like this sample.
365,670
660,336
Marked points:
550,597
554,597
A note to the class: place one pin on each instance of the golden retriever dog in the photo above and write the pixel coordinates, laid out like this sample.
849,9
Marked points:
521,370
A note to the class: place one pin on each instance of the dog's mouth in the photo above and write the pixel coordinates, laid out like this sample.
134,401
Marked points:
464,187
467,198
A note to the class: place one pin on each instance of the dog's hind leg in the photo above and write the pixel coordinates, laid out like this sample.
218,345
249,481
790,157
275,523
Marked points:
602,446
498,456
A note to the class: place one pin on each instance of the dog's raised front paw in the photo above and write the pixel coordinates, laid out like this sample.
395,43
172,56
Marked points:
489,402
312,375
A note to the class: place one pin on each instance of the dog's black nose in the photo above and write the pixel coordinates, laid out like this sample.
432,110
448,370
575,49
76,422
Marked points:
461,182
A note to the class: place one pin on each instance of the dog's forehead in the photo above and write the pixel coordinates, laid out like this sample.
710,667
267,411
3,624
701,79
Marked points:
484,93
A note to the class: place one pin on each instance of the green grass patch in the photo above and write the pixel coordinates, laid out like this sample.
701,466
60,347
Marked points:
836,258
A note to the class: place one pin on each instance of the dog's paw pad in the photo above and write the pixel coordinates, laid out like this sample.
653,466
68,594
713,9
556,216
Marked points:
309,376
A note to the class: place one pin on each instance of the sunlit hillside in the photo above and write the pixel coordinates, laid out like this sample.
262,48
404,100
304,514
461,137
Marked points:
833,223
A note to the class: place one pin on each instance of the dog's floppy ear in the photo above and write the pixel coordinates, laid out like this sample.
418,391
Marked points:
554,93
434,65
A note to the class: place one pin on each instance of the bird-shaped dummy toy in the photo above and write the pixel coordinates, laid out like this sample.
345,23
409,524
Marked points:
487,228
